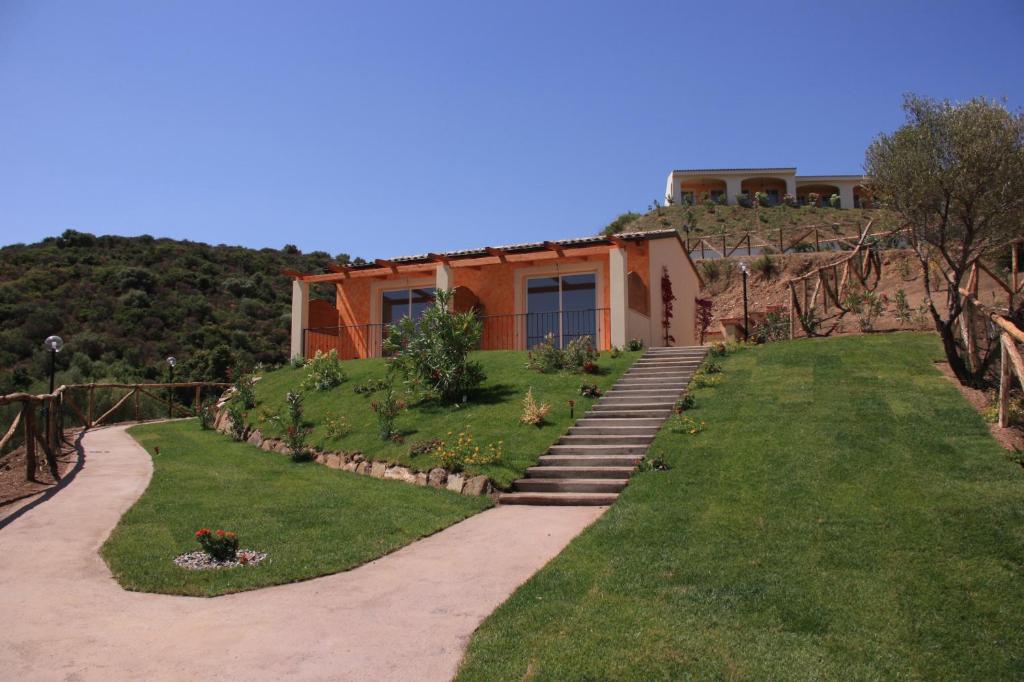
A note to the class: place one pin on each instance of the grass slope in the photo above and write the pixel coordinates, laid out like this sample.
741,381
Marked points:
310,519
491,416
845,515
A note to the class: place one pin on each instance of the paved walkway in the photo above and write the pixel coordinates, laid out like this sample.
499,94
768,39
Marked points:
407,616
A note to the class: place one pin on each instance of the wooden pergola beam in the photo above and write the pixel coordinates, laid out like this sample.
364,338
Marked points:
383,263
340,269
497,253
438,258
552,246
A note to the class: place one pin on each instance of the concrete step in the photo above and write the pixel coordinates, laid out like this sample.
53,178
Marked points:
615,450
639,431
570,485
604,421
580,472
572,459
606,439
663,405
631,387
640,396
559,499
667,362
661,414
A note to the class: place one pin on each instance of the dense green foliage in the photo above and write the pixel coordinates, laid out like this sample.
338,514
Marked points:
122,304
344,419
432,353
844,514
311,520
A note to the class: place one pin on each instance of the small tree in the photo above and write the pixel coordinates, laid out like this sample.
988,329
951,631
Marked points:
433,351
704,317
955,173
667,298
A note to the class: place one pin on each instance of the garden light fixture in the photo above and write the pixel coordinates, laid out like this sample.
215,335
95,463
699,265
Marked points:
171,362
54,344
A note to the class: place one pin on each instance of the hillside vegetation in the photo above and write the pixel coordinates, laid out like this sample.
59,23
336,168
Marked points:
122,304
705,221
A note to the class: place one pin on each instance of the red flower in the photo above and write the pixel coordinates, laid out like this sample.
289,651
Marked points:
220,533
202,532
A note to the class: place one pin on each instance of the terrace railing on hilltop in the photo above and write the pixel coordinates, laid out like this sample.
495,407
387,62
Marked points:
520,331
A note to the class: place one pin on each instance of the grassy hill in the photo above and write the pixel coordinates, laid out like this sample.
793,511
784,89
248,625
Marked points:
707,221
844,515
122,304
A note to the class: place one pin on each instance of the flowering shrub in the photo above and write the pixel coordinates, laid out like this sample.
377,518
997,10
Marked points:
433,351
295,431
325,372
790,200
337,428
813,198
635,344
387,410
423,447
704,380
667,297
455,453
590,390
533,412
687,424
369,387
834,201
579,355
687,402
245,391
220,545
614,352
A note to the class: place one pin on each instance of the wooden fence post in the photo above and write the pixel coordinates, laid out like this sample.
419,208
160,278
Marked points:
1004,381
136,405
199,399
88,408
29,418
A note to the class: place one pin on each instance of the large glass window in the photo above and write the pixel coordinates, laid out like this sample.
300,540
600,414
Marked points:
405,303
564,306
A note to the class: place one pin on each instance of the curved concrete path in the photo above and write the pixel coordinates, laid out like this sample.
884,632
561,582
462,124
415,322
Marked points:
406,616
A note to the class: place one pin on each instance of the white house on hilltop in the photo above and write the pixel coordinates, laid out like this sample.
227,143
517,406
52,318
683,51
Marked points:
695,184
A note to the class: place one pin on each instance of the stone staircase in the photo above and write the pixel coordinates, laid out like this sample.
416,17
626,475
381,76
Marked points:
594,460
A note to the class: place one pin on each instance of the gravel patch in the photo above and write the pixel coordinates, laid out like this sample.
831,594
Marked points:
201,561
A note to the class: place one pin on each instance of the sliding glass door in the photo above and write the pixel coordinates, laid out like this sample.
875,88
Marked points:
563,306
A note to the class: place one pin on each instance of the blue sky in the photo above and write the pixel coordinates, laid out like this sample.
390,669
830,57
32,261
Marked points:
381,129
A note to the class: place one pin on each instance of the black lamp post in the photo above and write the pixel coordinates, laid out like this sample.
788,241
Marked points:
53,344
746,317
171,362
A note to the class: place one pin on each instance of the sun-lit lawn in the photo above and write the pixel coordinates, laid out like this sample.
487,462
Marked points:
845,515
312,520
491,415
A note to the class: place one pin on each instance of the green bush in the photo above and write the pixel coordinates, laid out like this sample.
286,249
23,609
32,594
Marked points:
765,266
295,432
579,355
635,345
432,353
772,328
324,372
834,201
387,409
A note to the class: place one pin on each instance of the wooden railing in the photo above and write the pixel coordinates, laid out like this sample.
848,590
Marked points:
832,281
811,238
44,418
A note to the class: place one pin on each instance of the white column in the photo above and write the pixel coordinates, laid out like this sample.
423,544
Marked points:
846,195
443,280
673,190
300,315
617,292
732,188
791,186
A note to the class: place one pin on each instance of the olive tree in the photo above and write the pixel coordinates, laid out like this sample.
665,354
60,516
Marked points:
955,174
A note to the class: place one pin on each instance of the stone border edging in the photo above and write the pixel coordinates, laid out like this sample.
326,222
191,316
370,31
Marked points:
357,463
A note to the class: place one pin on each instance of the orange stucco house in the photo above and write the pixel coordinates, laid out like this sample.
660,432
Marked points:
608,288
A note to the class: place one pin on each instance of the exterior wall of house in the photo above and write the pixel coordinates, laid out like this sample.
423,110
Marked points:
737,180
627,273
670,254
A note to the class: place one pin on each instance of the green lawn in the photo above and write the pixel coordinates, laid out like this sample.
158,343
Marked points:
845,515
491,416
310,519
